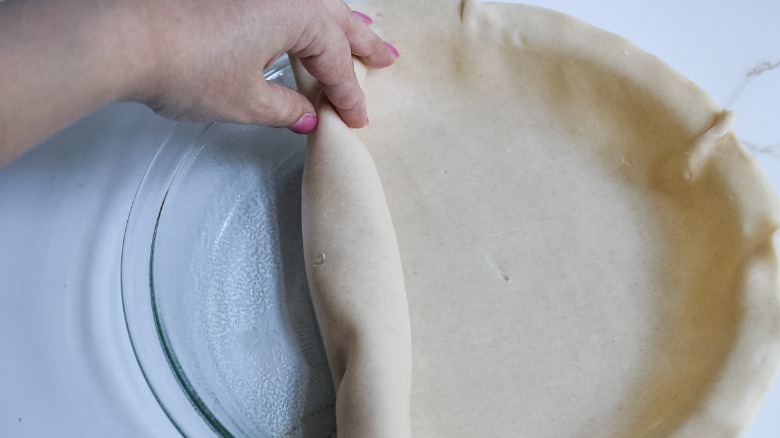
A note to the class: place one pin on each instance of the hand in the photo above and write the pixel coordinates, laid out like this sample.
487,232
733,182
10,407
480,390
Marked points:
209,56
188,59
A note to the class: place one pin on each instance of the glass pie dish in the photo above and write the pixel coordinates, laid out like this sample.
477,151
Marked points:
213,284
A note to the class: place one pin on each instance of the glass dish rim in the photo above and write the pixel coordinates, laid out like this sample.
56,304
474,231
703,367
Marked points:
190,417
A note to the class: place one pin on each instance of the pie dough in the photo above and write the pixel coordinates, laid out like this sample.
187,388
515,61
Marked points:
544,231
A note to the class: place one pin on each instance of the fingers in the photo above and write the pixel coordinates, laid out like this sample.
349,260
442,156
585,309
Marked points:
203,73
328,57
281,106
363,42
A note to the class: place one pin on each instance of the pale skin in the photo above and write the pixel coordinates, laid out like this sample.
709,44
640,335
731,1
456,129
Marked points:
186,59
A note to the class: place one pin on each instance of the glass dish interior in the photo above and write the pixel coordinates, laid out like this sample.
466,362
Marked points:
214,286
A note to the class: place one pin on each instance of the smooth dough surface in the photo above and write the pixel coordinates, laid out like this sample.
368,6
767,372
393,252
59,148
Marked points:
586,249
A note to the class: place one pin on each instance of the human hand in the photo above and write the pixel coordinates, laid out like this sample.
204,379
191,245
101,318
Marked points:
187,59
207,57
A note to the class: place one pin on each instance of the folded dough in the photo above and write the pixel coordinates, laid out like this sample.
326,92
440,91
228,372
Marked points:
586,248
354,272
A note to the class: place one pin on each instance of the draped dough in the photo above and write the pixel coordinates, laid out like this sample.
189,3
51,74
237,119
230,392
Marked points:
579,246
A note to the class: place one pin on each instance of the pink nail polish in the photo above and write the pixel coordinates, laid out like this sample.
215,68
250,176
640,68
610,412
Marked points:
392,50
363,17
305,125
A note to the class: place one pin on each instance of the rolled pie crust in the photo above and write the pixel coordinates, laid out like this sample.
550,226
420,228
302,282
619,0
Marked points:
544,231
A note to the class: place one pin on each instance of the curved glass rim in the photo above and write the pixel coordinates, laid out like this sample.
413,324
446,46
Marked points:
190,417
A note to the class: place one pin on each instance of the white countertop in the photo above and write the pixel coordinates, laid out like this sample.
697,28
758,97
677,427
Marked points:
66,365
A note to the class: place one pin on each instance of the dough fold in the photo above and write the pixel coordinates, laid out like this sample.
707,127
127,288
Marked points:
357,284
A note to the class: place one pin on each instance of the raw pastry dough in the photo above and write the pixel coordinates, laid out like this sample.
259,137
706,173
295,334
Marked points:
357,285
587,250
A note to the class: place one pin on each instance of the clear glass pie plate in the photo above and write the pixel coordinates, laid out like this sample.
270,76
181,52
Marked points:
214,289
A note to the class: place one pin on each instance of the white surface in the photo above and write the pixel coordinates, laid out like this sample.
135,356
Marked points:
66,366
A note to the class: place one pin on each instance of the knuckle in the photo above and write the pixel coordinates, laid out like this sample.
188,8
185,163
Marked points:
346,97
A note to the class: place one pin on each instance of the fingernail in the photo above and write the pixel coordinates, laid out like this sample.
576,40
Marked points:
363,17
305,125
392,50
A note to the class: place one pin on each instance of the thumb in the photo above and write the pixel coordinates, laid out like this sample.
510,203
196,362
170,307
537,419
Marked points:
282,106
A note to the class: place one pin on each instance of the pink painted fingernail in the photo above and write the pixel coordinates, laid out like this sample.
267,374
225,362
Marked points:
363,17
305,125
392,50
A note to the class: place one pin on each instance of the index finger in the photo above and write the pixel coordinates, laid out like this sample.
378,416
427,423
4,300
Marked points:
364,43
328,58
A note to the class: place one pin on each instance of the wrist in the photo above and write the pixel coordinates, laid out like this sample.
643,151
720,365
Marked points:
61,60
128,53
